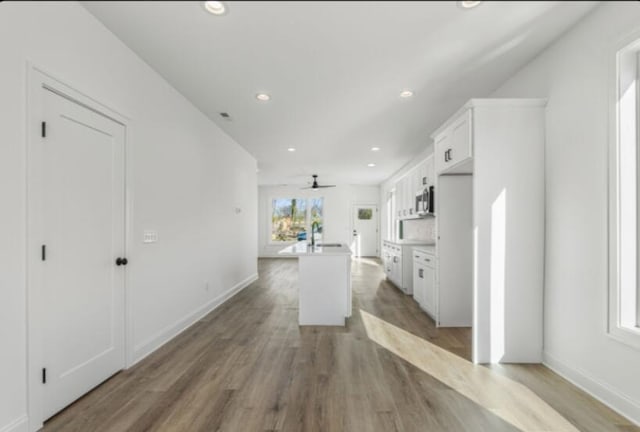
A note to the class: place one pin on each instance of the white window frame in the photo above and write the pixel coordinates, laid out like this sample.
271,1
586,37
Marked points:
627,69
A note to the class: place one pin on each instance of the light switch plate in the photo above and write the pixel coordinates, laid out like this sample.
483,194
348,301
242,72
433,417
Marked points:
150,236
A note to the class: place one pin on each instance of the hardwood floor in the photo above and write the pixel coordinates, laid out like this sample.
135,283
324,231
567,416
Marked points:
248,367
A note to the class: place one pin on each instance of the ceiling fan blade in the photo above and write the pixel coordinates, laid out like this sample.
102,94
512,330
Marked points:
326,186
308,187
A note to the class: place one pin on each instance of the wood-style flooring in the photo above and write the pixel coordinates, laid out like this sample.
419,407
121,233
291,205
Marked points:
248,366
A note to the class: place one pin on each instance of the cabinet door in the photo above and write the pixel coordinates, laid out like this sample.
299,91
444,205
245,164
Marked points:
404,185
430,171
422,177
429,291
398,199
460,139
442,144
397,271
413,188
418,283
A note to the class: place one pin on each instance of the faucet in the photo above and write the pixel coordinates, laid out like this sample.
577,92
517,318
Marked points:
314,227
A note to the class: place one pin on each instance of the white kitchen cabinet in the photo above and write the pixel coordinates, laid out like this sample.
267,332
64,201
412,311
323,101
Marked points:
461,139
414,181
424,281
441,144
418,282
399,269
430,291
387,259
402,189
453,145
427,173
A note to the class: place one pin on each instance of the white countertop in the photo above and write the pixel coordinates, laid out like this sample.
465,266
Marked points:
304,249
410,243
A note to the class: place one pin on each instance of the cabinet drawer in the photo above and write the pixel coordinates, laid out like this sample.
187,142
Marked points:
424,258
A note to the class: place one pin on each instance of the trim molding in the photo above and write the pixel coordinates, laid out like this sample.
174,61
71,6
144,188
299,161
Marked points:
151,344
611,397
18,425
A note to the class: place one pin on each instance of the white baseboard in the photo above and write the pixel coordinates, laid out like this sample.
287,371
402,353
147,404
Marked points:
165,335
20,424
611,397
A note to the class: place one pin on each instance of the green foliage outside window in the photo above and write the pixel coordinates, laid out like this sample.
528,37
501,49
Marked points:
291,218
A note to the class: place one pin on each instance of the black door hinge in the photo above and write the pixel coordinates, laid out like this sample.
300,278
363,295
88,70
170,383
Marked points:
44,375
44,129
44,252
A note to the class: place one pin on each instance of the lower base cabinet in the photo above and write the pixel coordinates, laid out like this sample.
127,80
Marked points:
398,265
424,282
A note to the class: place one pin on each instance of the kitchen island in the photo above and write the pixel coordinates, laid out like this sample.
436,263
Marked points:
324,282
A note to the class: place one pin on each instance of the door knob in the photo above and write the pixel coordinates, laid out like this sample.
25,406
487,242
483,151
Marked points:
121,261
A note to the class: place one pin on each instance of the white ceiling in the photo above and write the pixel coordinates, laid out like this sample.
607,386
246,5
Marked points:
335,71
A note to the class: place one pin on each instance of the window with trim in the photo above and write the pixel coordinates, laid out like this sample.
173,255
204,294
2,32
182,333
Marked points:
624,298
292,218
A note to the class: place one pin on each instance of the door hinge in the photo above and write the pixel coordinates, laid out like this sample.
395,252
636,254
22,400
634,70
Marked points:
44,375
44,129
44,252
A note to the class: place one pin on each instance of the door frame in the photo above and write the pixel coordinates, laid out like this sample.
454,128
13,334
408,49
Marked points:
356,204
37,81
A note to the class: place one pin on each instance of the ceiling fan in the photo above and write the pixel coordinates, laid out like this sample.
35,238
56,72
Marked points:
315,184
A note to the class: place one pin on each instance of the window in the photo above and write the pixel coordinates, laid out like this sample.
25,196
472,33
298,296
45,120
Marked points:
624,259
292,218
365,214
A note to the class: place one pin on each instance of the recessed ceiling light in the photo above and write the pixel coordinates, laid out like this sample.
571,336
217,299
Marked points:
263,97
371,165
406,94
469,4
375,148
215,7
291,149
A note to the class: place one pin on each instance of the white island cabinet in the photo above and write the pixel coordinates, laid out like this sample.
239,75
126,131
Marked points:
324,283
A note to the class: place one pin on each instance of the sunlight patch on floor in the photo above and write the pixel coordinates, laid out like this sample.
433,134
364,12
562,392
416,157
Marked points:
504,397
366,261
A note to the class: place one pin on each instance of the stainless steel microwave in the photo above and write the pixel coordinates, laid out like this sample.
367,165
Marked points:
425,201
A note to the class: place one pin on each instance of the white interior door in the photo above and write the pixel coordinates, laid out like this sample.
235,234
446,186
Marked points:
365,230
83,226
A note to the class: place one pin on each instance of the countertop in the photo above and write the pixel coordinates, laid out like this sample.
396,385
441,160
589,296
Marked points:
410,243
305,249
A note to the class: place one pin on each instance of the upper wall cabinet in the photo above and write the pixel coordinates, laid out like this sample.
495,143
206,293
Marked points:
425,174
453,145
413,181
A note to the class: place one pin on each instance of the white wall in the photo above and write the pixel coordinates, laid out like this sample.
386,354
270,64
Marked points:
338,203
576,74
188,178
